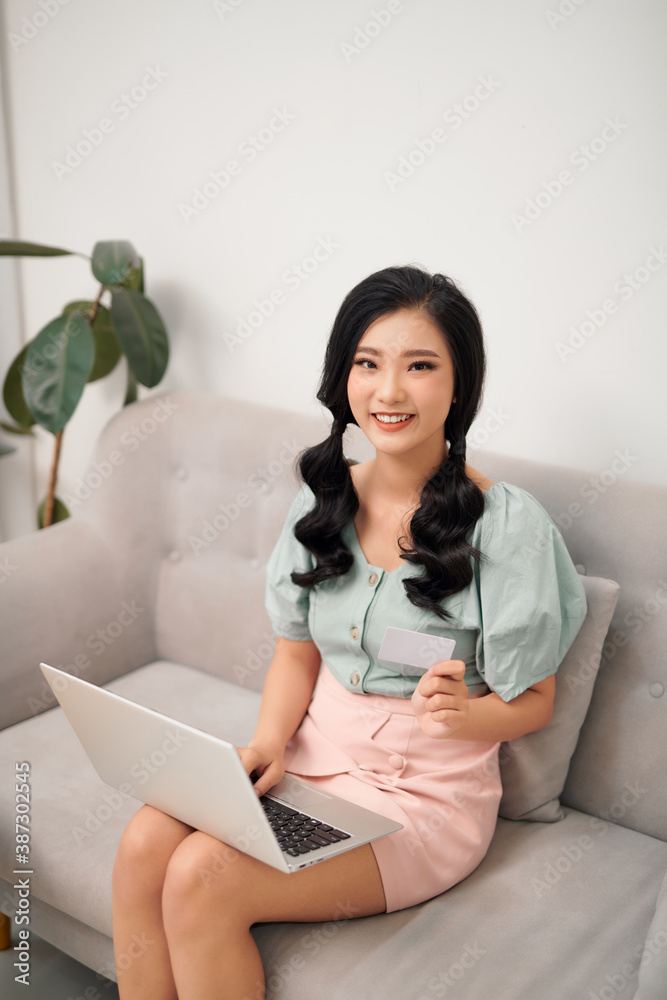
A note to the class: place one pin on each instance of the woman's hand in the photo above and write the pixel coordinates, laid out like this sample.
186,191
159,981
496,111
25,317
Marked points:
440,700
264,764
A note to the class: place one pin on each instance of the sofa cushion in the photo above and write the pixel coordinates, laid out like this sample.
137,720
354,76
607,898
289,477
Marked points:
653,962
554,911
534,767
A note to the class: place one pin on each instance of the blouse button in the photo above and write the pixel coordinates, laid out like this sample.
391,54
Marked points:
354,679
656,690
354,632
396,761
373,579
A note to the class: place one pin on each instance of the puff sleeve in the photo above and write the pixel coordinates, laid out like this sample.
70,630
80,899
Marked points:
287,604
531,600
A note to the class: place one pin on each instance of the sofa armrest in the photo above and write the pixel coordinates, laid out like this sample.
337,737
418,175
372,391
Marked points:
61,602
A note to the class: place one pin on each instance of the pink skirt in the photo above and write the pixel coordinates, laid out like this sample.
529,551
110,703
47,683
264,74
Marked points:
370,749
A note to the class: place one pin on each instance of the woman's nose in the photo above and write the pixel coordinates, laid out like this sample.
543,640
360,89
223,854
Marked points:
390,389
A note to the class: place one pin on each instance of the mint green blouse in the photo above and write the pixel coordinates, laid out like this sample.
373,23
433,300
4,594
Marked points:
512,625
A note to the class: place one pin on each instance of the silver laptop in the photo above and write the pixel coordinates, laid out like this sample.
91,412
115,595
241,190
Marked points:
200,780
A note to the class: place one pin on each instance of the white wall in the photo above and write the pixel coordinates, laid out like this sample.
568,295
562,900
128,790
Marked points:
17,470
553,81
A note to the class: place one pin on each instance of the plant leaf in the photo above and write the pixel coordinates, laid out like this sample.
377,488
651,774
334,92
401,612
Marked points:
142,334
130,388
18,248
12,392
108,351
81,305
135,278
60,512
57,364
107,345
6,449
113,261
11,429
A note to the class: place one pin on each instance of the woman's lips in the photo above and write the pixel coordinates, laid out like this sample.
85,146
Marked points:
392,425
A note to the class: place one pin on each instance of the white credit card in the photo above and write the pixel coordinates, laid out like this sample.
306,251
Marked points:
415,649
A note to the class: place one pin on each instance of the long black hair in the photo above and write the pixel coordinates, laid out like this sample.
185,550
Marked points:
450,502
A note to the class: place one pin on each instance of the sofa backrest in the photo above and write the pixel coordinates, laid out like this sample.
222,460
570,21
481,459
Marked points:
200,492
616,529
191,512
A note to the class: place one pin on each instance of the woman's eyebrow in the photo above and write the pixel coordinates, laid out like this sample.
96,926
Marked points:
403,354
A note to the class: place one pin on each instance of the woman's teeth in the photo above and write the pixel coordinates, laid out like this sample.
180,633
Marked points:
384,419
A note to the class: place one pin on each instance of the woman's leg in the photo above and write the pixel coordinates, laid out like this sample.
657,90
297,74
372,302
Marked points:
213,894
142,958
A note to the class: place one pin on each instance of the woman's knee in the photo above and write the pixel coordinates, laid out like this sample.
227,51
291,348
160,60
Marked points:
149,840
203,876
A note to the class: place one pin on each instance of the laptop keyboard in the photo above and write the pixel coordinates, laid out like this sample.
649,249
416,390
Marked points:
297,832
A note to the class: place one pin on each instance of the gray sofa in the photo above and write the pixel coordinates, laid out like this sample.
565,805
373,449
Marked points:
155,588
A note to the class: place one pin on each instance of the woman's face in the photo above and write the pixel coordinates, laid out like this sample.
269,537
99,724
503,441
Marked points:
401,385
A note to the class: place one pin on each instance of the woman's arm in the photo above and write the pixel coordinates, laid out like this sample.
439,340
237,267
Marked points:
287,692
444,710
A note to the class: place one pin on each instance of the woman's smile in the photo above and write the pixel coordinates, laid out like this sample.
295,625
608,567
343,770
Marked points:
393,421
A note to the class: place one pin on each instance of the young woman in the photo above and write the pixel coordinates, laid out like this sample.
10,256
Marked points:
413,538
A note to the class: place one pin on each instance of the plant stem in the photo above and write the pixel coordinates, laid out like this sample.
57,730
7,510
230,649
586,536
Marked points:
50,496
96,304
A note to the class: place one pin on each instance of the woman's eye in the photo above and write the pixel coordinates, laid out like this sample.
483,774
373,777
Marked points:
369,365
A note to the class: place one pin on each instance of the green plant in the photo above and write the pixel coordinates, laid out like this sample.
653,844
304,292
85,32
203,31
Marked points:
46,379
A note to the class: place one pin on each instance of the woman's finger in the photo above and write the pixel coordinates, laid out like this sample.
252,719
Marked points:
449,668
270,777
250,759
